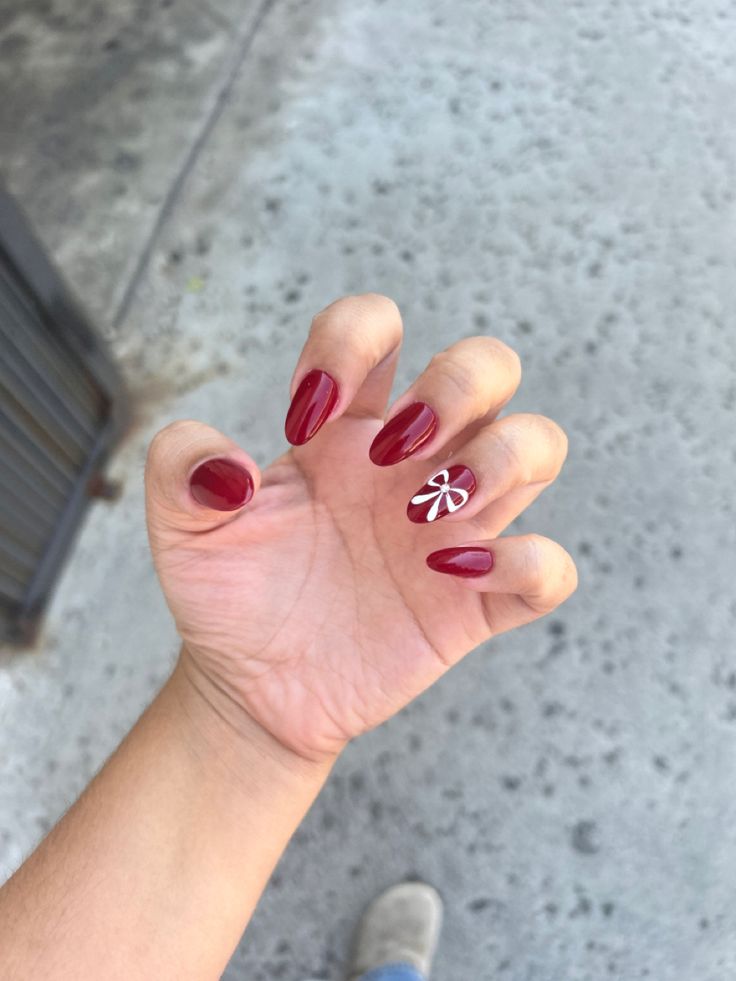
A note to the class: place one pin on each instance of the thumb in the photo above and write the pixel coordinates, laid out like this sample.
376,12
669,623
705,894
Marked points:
196,479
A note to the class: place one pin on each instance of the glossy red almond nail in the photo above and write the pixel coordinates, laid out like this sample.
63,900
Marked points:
447,491
403,435
221,484
313,401
464,561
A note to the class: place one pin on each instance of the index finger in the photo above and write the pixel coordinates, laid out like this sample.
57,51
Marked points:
346,365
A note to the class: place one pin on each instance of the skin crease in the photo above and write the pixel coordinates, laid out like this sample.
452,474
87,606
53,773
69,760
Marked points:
358,625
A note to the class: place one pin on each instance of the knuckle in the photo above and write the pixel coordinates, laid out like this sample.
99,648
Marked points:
551,576
492,349
507,453
534,563
363,319
378,319
556,439
378,302
556,434
507,354
335,311
327,316
542,442
164,437
472,365
450,372
362,305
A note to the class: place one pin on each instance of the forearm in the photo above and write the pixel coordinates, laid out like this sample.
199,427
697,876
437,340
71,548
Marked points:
157,868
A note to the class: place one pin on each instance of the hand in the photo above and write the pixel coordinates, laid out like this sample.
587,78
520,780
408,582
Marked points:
309,604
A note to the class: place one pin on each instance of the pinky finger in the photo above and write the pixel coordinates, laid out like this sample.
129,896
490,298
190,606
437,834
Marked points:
521,577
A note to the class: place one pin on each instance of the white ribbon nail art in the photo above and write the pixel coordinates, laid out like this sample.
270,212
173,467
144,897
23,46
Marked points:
444,490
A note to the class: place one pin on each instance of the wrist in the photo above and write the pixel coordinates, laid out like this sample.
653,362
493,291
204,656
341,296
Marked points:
221,730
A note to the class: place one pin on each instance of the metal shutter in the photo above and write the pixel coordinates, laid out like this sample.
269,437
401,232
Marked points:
61,409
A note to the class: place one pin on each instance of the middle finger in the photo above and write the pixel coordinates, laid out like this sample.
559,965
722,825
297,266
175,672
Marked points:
471,380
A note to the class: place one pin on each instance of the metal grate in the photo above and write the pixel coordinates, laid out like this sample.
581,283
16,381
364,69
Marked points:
61,409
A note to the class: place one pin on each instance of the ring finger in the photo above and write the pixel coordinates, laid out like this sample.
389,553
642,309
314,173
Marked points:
520,454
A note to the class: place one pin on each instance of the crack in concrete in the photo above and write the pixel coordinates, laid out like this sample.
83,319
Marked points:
191,158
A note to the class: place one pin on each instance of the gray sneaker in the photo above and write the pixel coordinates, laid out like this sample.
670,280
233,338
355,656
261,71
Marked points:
401,926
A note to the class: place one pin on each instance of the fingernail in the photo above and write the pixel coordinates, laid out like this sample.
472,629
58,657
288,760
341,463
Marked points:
313,401
462,561
221,484
403,435
447,491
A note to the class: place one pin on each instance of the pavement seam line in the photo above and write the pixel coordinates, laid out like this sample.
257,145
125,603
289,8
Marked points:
189,162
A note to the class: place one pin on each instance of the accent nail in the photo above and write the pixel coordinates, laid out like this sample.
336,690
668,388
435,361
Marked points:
403,435
312,404
462,561
221,484
447,491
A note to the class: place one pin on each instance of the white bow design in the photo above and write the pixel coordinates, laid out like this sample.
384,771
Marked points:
444,490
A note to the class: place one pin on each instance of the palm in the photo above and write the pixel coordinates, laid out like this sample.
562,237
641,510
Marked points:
314,606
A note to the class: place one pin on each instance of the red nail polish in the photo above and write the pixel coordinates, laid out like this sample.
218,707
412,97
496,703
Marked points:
403,435
447,491
463,561
313,401
221,484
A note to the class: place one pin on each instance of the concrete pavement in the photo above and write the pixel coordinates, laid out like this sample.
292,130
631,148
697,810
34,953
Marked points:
560,175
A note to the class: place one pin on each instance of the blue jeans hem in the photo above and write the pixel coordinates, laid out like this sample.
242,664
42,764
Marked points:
393,972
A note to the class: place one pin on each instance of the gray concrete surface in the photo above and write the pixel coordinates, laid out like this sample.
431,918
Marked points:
558,174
